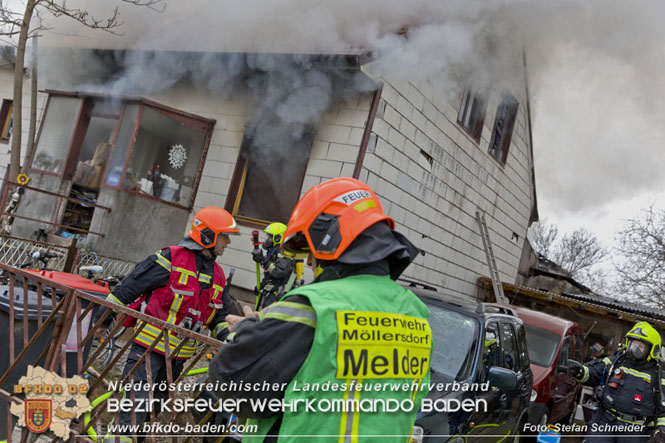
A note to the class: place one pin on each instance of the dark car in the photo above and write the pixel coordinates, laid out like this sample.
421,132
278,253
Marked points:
482,348
552,341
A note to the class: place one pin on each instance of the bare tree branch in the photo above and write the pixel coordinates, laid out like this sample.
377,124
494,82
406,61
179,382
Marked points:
641,262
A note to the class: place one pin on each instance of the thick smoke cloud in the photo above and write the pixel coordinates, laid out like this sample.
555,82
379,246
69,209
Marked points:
595,68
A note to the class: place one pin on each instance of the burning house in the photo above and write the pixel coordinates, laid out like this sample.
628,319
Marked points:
131,143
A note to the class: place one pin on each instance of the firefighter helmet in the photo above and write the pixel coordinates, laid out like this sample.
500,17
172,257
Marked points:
646,333
276,230
208,223
331,215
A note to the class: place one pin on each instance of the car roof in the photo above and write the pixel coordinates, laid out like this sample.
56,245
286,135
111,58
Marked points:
545,321
462,304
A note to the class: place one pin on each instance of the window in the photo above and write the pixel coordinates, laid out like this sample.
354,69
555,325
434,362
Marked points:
455,344
269,173
472,112
56,134
503,127
134,145
566,352
579,346
6,120
521,344
492,354
166,157
509,347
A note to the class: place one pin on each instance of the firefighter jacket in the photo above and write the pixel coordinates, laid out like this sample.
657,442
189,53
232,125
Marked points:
181,286
274,351
277,269
631,390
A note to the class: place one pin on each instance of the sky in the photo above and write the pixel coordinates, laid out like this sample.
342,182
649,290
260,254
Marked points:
595,74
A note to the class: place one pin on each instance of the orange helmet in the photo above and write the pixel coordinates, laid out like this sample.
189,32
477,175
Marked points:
330,216
209,222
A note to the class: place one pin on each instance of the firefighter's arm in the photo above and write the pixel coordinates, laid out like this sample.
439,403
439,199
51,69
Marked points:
593,375
219,326
151,273
281,269
658,435
268,349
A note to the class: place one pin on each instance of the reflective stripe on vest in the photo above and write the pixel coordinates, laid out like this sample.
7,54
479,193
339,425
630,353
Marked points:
150,333
290,311
205,278
184,275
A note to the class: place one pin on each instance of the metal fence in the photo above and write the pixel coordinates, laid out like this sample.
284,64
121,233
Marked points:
51,326
17,251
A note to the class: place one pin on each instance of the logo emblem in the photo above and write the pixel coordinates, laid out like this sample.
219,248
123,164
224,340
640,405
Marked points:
38,415
638,397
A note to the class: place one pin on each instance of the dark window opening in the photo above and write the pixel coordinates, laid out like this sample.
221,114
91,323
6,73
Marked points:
269,173
472,112
503,127
6,120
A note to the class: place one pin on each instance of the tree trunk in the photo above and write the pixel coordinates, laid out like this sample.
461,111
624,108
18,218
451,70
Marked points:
32,129
15,158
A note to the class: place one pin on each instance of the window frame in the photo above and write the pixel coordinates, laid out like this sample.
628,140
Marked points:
6,112
511,106
237,186
515,350
470,97
195,122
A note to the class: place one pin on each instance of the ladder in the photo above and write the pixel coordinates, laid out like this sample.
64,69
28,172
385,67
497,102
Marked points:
491,261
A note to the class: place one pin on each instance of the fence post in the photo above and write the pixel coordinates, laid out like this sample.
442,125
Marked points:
71,256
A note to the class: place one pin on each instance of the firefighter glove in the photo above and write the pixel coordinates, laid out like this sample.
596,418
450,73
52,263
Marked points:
257,255
575,369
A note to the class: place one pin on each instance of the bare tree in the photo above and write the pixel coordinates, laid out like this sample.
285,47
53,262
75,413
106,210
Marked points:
641,257
14,23
578,252
542,237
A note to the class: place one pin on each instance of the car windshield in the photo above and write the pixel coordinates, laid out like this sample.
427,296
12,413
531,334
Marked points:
542,345
455,337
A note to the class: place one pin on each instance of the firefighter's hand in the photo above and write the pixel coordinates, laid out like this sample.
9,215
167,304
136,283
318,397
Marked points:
658,436
257,255
233,320
575,369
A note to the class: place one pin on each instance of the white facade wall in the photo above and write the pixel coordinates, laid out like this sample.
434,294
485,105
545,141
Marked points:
435,205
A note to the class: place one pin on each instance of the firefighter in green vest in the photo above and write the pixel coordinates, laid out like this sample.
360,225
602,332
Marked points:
352,337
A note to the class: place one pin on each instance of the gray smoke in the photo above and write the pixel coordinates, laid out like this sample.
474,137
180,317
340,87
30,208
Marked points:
595,68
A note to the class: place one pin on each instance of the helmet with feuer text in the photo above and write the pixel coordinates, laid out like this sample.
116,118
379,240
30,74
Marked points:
330,216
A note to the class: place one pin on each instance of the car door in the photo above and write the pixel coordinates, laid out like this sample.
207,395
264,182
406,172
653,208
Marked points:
511,399
564,385
489,423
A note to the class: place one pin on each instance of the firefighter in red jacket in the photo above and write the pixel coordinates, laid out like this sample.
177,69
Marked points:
181,285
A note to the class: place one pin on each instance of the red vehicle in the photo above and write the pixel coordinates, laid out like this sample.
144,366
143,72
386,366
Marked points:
551,341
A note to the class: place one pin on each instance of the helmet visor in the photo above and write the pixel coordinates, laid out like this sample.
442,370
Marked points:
638,349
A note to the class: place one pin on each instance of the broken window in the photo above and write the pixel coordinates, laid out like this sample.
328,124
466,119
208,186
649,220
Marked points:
269,173
472,112
503,127
6,120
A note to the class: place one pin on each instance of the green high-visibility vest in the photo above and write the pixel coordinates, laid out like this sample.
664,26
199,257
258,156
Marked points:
371,355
